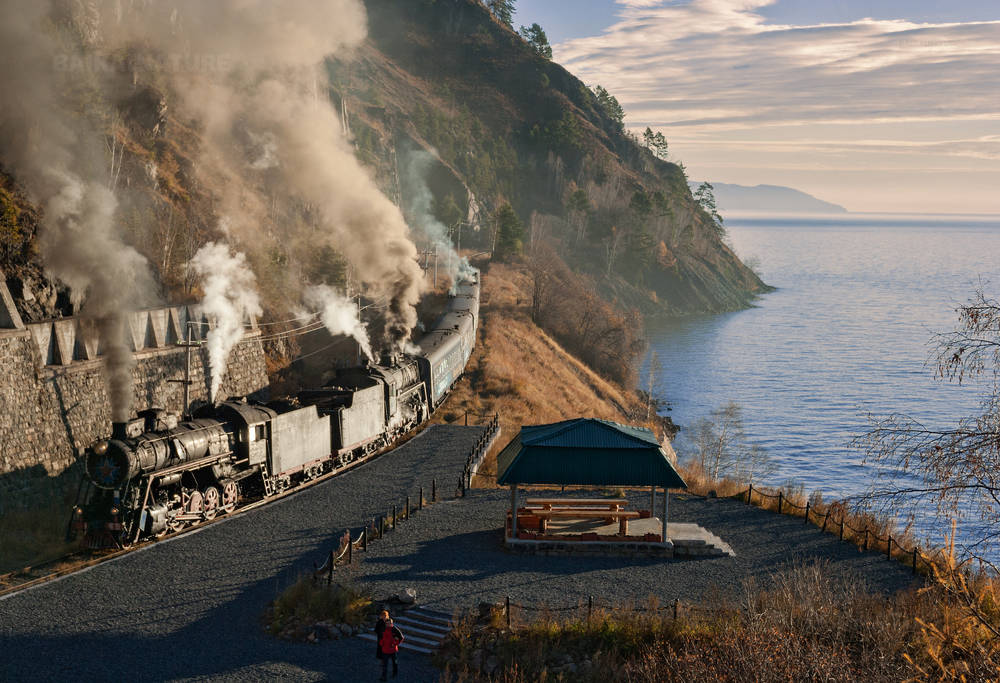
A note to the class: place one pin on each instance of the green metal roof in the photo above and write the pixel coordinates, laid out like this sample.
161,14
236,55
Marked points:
586,452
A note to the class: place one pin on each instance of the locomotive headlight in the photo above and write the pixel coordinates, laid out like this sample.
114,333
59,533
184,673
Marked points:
78,510
114,511
101,447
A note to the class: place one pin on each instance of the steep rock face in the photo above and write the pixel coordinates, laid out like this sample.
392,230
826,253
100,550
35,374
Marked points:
519,128
507,125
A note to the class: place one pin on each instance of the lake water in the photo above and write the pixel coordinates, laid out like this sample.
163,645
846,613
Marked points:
848,331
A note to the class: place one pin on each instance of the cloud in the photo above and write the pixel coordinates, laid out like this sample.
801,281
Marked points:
713,69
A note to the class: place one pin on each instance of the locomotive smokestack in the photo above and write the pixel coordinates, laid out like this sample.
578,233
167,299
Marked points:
119,430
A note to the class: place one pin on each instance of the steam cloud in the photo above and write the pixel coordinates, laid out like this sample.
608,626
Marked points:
57,156
418,203
262,87
230,296
339,315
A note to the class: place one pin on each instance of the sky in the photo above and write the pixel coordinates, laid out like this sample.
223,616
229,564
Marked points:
888,105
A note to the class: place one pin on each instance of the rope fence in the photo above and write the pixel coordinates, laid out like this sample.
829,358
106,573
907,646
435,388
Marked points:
866,536
375,529
675,608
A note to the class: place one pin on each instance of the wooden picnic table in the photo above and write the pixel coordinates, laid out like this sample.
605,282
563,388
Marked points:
623,516
600,503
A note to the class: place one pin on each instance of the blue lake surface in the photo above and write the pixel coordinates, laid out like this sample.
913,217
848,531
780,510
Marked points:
849,331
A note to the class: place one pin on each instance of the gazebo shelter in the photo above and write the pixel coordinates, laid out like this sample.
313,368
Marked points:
585,452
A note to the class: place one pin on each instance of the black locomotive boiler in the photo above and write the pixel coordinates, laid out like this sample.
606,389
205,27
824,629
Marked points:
157,474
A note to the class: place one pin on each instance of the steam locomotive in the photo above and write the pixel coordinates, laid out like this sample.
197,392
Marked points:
157,474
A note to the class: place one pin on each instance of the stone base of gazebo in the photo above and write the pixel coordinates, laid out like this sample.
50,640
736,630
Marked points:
627,547
593,538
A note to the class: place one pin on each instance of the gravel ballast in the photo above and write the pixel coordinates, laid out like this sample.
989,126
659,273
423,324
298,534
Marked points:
190,608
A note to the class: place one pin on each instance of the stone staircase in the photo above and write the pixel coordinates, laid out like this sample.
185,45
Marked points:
691,540
423,629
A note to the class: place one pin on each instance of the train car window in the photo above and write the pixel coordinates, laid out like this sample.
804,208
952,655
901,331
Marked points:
260,432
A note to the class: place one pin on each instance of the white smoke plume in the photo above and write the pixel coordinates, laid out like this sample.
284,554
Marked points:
262,61
230,297
57,156
419,201
339,315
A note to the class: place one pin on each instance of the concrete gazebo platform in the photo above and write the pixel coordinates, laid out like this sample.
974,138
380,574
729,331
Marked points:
579,453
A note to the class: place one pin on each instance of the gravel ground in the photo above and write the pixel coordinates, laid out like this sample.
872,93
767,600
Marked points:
452,555
190,608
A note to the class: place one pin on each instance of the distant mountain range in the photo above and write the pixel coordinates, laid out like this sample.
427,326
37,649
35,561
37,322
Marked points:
767,198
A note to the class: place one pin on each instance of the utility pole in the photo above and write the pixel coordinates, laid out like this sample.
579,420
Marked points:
188,345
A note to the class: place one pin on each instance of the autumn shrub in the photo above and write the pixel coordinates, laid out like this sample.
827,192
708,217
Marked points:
309,601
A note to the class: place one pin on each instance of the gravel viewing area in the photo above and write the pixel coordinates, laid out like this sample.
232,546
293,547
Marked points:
452,555
190,608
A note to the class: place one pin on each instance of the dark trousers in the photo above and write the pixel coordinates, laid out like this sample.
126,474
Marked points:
385,665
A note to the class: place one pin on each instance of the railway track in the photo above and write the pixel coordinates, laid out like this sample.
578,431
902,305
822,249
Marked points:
30,577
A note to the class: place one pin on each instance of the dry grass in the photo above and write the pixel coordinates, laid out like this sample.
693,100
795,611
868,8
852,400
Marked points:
813,624
520,372
310,601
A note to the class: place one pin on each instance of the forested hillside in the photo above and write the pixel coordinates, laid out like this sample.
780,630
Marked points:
475,134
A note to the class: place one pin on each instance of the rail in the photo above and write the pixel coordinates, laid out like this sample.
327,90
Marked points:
479,451
374,529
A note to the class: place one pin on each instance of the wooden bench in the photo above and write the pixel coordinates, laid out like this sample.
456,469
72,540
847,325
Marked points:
623,516
599,503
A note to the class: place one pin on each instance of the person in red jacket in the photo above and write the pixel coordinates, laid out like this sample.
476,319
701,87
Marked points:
388,646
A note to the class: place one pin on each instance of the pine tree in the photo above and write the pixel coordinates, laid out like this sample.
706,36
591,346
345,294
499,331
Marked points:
535,36
502,10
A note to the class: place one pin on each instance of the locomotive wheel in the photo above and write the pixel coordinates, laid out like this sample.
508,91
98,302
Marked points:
230,494
195,503
210,502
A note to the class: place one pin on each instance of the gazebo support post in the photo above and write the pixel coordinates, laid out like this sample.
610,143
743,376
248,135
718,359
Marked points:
652,500
513,510
666,511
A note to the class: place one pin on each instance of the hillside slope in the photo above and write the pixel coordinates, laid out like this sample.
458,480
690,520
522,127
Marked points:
501,123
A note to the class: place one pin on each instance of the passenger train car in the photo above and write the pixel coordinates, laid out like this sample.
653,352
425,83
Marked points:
157,474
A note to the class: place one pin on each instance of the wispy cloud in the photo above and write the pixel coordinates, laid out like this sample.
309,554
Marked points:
708,70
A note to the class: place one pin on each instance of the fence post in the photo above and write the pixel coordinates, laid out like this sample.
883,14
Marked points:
779,502
433,490
750,494
590,606
807,512
841,528
364,539
888,548
866,539
350,548
826,518
420,503
508,611
676,600
393,515
461,484
407,512
914,559
329,578
381,526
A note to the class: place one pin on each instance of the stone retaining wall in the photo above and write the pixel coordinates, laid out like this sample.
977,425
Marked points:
54,399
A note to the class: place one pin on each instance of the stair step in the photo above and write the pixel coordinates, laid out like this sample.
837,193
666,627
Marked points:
422,626
429,616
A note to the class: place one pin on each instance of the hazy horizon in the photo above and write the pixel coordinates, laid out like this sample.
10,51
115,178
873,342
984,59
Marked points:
879,107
